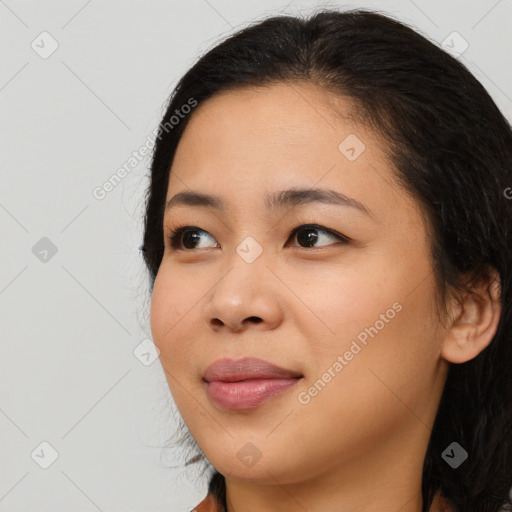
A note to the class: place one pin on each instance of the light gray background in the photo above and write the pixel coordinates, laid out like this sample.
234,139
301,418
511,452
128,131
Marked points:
70,324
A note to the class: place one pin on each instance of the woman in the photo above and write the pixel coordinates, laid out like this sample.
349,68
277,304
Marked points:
328,235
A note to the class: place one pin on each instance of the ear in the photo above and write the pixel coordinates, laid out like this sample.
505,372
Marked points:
474,321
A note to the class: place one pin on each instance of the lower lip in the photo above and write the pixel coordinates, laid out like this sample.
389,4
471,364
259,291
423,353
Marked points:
246,394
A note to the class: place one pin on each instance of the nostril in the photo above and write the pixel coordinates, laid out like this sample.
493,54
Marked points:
216,322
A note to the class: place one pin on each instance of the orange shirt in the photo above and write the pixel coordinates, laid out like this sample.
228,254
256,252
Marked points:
209,504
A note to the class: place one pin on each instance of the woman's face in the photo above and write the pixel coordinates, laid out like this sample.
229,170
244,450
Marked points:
354,319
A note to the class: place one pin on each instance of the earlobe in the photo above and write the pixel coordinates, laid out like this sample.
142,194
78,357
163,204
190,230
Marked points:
476,322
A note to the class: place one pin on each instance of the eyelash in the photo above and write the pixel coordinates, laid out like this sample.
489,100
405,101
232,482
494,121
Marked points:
174,237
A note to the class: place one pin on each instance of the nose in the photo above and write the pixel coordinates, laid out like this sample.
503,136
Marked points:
248,296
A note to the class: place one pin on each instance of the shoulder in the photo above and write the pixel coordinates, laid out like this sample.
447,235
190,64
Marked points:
209,504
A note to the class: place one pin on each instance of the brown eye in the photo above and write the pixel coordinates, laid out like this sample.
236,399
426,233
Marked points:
188,236
309,235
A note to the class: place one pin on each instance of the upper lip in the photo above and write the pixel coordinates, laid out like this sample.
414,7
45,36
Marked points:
232,370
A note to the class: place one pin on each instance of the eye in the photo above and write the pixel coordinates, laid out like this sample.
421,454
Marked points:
188,237
307,234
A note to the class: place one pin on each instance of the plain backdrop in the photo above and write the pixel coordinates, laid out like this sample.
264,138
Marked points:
84,407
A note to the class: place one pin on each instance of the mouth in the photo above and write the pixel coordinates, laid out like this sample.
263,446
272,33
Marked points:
246,383
247,394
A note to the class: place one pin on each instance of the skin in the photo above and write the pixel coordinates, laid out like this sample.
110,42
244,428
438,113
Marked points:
360,442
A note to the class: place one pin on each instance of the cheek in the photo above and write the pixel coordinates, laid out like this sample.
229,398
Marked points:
383,329
388,355
381,384
171,302
344,304
161,309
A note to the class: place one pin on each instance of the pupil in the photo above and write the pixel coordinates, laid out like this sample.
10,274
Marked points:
310,238
186,236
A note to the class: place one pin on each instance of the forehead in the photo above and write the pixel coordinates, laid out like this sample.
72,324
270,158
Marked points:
281,115
245,143
296,127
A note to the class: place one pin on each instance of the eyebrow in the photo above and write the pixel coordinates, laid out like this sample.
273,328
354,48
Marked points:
273,202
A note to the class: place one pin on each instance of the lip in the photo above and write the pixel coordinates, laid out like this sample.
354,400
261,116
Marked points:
246,383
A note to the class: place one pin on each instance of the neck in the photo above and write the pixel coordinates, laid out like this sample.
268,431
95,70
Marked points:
386,476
